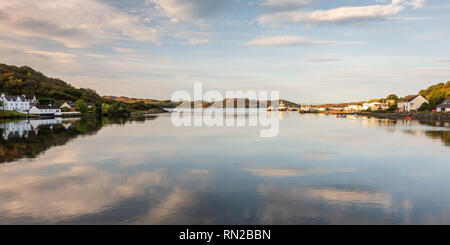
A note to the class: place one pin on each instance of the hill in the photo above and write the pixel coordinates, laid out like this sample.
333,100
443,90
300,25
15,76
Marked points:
437,93
25,80
159,103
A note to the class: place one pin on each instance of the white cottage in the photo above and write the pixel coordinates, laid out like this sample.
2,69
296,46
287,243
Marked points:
373,106
68,104
17,102
45,110
411,102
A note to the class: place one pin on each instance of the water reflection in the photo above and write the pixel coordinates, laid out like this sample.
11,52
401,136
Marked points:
319,170
29,138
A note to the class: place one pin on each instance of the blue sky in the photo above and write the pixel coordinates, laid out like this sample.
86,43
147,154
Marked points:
312,51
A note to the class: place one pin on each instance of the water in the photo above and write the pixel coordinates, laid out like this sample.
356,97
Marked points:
319,170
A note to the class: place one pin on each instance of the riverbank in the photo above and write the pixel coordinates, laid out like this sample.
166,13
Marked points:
19,115
429,116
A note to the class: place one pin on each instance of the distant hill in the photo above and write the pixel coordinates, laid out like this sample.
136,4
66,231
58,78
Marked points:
129,100
25,80
232,103
159,103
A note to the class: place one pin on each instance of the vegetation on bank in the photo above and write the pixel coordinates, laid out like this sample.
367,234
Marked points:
11,114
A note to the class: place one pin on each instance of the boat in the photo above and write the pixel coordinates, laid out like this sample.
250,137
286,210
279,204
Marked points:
270,108
408,118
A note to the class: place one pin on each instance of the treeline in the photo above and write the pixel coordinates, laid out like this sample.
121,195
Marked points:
435,94
25,80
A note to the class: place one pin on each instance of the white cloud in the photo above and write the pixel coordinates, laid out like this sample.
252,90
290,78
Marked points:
56,56
286,3
74,23
443,60
193,37
189,10
294,41
348,14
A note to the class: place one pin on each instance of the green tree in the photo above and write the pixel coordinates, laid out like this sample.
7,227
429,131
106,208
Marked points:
392,97
105,108
65,109
436,97
81,106
424,107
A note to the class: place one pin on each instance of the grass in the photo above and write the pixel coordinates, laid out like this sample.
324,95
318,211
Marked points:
5,114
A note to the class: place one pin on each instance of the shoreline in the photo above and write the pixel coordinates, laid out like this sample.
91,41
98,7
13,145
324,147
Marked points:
428,116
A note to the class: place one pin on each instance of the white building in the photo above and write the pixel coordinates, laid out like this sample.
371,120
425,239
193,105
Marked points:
411,102
68,105
354,108
444,106
373,106
45,110
17,102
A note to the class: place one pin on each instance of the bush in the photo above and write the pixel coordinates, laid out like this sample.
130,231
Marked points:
424,107
81,106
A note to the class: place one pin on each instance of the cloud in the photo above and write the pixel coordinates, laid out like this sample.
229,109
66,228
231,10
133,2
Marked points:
189,10
314,60
74,23
294,41
348,14
56,56
193,37
443,60
282,4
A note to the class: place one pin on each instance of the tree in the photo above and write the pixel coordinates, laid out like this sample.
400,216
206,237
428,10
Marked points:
424,107
436,97
81,106
105,108
65,109
392,97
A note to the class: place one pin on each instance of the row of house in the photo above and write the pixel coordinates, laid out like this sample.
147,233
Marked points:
408,103
27,104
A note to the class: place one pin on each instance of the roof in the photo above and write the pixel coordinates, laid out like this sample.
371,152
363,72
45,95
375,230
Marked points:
11,97
409,98
28,96
444,104
70,103
46,107
22,97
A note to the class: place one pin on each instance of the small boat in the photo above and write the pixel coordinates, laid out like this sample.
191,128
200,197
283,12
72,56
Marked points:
270,108
408,118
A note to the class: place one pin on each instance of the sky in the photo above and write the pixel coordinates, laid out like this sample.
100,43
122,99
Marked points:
311,51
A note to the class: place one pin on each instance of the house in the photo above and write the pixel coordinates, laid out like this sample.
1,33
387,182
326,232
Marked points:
45,110
444,106
354,108
373,106
411,102
68,104
17,102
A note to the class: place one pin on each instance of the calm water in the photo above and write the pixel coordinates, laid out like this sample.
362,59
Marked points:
319,170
